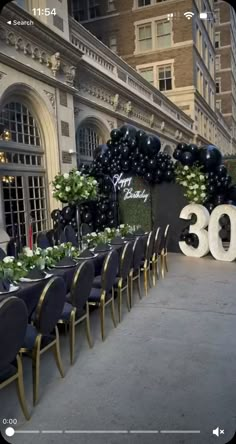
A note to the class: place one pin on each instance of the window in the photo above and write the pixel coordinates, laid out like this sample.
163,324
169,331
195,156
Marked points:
79,10
163,34
111,5
206,90
218,105
165,78
145,37
217,63
205,53
218,86
87,140
217,40
93,9
147,73
143,3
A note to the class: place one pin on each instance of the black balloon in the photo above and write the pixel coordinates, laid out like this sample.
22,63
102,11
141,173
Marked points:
187,158
148,177
55,215
152,164
150,145
219,199
68,213
221,170
169,175
177,154
125,152
125,165
128,131
210,157
87,217
182,146
115,134
109,143
210,206
192,148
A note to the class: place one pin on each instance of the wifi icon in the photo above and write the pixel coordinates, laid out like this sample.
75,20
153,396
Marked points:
188,15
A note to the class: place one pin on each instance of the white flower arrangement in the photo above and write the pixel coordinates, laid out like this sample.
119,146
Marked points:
194,183
8,259
74,187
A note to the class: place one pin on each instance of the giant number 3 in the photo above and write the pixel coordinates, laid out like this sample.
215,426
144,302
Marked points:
198,228
210,241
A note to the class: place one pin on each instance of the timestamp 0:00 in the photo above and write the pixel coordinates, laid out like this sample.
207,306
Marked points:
10,421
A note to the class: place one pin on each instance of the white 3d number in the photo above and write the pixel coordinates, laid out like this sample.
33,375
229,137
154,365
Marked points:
215,243
210,241
198,228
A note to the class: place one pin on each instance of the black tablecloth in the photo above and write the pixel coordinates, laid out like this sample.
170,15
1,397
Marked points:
30,291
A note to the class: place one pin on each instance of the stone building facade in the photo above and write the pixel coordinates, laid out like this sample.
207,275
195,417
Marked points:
61,92
173,52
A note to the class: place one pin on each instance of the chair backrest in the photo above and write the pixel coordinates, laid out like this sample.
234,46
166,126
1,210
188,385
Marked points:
82,284
149,245
138,253
43,241
85,229
157,241
71,235
50,236
166,237
109,270
59,236
13,324
126,260
2,254
13,248
50,305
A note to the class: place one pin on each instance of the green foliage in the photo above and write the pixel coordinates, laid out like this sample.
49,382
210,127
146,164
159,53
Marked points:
94,239
74,187
231,166
136,211
194,182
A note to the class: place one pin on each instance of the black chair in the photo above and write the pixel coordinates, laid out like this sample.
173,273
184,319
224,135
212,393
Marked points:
40,335
85,229
13,324
71,235
135,273
164,251
156,255
2,254
146,264
122,281
76,309
13,248
42,241
59,236
50,236
104,295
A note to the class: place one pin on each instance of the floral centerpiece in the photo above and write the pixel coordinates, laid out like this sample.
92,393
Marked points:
12,269
95,238
46,258
74,187
125,229
194,182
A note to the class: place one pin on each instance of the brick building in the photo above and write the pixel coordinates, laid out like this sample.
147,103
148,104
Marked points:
174,53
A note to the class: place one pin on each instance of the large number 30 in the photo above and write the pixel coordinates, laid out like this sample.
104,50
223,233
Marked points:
210,241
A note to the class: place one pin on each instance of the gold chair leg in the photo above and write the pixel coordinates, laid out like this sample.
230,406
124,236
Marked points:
162,266
128,295
72,336
139,286
20,388
157,268
153,271
149,276
102,315
165,260
145,278
120,302
113,311
36,368
57,354
88,331
130,280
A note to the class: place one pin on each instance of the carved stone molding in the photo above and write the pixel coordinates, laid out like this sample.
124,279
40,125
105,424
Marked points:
2,74
116,102
111,124
128,108
55,60
76,111
51,98
152,120
70,74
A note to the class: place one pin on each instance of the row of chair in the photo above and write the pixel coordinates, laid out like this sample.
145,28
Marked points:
55,307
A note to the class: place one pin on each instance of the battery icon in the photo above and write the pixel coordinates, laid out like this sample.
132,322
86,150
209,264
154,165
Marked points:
203,15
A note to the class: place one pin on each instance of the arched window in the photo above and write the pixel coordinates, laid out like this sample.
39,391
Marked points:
88,138
22,173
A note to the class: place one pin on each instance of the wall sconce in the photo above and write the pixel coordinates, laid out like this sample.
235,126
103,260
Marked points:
4,133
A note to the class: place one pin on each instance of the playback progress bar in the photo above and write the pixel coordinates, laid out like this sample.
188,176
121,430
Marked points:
10,432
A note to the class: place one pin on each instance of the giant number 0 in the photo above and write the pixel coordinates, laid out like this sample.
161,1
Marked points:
210,241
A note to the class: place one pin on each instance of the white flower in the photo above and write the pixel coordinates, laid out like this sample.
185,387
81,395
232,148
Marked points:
93,234
189,176
184,183
78,173
66,176
186,167
72,248
201,177
38,251
196,186
195,199
19,264
108,230
55,247
195,192
94,182
28,252
203,187
8,259
68,189
203,194
193,175
58,187
49,249
63,245
122,226
60,194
